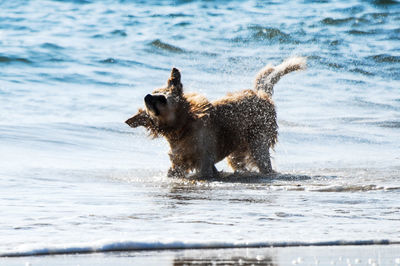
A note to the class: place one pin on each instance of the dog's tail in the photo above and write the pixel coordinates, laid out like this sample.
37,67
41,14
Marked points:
270,75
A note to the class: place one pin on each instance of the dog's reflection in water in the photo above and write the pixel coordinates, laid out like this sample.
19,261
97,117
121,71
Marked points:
222,260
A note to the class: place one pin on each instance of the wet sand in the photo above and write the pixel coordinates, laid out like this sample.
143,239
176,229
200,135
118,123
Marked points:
320,255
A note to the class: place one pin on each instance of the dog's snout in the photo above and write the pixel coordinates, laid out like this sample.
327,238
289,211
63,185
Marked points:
148,98
152,99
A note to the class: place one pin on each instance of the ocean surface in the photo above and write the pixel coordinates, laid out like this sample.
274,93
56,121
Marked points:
74,177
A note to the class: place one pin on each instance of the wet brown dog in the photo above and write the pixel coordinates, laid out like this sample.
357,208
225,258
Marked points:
241,126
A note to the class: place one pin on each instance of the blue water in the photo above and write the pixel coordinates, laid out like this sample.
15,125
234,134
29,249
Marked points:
73,174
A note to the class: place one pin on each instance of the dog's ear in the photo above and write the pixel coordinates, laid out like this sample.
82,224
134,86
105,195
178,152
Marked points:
141,118
175,80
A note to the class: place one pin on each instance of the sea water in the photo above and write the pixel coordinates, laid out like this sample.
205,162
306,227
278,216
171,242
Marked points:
74,177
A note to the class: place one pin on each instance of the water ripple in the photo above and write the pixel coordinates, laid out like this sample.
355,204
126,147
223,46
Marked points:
158,44
384,58
14,59
51,46
125,62
265,34
341,21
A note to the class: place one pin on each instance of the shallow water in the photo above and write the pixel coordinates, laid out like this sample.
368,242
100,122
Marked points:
71,72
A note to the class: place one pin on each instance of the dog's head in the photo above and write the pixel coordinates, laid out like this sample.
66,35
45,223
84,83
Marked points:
161,105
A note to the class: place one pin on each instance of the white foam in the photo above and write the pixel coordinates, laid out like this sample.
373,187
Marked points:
126,245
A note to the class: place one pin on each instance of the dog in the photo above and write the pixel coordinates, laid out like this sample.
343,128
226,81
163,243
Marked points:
241,126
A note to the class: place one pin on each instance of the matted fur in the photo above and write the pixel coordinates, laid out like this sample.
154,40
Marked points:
241,126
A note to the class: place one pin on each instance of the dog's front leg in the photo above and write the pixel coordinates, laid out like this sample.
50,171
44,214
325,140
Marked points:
174,171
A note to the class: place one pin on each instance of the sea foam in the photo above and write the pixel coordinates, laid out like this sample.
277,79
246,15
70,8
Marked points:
127,246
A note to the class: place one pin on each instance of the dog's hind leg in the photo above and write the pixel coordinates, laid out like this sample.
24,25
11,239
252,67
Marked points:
238,161
208,169
259,149
206,165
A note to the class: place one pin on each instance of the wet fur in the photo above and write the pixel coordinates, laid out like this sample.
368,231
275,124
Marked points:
241,126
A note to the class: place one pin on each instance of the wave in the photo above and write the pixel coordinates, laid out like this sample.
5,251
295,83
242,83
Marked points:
387,124
360,32
128,246
265,34
341,21
353,188
166,46
112,34
384,58
12,59
324,61
129,63
384,2
76,1
171,15
51,46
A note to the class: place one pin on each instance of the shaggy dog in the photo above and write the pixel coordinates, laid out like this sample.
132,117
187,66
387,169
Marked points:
241,126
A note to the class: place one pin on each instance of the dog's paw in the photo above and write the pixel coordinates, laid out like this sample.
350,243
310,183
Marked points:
175,172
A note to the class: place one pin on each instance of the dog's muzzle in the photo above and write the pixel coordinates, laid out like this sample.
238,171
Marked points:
151,102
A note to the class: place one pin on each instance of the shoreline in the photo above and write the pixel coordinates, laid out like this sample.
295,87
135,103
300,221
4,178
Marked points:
133,246
300,255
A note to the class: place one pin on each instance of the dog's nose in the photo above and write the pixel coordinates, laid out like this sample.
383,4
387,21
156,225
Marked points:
148,98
